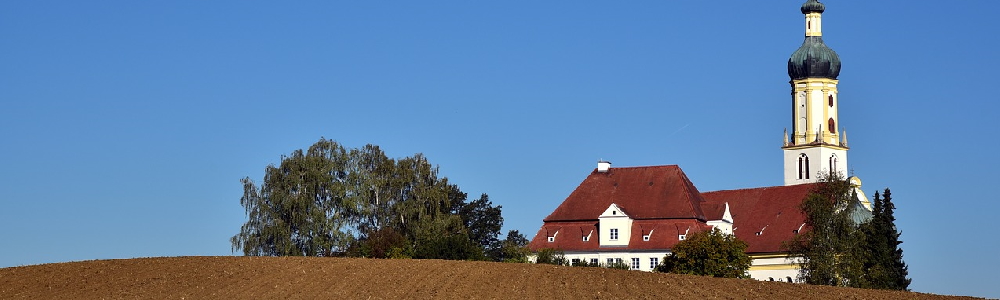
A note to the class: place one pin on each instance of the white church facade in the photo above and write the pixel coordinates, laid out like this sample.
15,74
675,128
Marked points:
635,215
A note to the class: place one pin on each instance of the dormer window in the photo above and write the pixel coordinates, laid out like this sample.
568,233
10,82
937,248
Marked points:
645,238
586,238
613,234
552,239
681,237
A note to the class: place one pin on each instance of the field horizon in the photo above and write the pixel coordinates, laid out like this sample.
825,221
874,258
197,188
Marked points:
244,277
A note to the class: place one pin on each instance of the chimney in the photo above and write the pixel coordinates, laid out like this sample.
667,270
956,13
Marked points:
603,166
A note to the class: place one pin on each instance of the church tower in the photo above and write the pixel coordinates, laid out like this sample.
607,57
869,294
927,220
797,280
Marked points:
816,144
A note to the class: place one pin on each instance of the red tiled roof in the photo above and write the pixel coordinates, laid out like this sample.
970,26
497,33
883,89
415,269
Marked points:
569,238
663,201
713,211
656,192
773,212
663,235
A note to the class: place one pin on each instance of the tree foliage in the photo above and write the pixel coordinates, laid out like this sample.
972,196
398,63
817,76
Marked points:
551,256
330,200
483,221
708,253
840,250
301,209
831,248
884,267
514,248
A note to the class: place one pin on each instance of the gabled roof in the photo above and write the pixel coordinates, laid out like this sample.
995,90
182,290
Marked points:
773,212
655,192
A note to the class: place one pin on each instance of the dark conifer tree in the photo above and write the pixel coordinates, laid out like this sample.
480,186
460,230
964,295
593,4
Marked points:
897,268
884,264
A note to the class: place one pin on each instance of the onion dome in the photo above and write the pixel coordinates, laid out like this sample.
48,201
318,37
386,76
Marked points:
814,60
813,6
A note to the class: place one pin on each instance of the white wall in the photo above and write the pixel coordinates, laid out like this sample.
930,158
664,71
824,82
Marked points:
614,218
777,268
625,256
819,163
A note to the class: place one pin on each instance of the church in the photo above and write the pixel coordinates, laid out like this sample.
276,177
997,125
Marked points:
635,215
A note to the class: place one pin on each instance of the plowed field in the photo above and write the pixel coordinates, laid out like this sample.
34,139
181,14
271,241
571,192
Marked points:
340,278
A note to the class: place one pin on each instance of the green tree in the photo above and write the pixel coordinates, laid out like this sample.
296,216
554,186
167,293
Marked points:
514,248
483,221
333,201
884,267
708,253
445,238
831,249
551,256
383,243
299,208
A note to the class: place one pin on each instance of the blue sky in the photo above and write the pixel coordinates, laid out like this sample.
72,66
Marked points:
126,125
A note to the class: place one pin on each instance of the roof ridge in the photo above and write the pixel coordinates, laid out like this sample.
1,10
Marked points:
641,167
763,187
692,191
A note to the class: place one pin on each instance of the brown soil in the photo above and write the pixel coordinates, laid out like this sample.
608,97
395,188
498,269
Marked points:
329,278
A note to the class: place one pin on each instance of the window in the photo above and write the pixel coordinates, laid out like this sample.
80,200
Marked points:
800,165
789,278
770,279
830,100
653,262
575,261
611,261
614,234
635,263
645,238
552,239
593,261
833,162
618,261
586,238
832,126
807,166
681,237
803,166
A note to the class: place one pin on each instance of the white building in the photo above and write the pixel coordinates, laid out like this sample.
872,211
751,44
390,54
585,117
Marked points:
635,215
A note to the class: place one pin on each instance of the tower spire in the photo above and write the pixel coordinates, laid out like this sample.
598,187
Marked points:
814,17
813,69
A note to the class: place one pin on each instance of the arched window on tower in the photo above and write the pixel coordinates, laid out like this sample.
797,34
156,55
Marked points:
833,163
832,126
807,167
830,98
803,166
